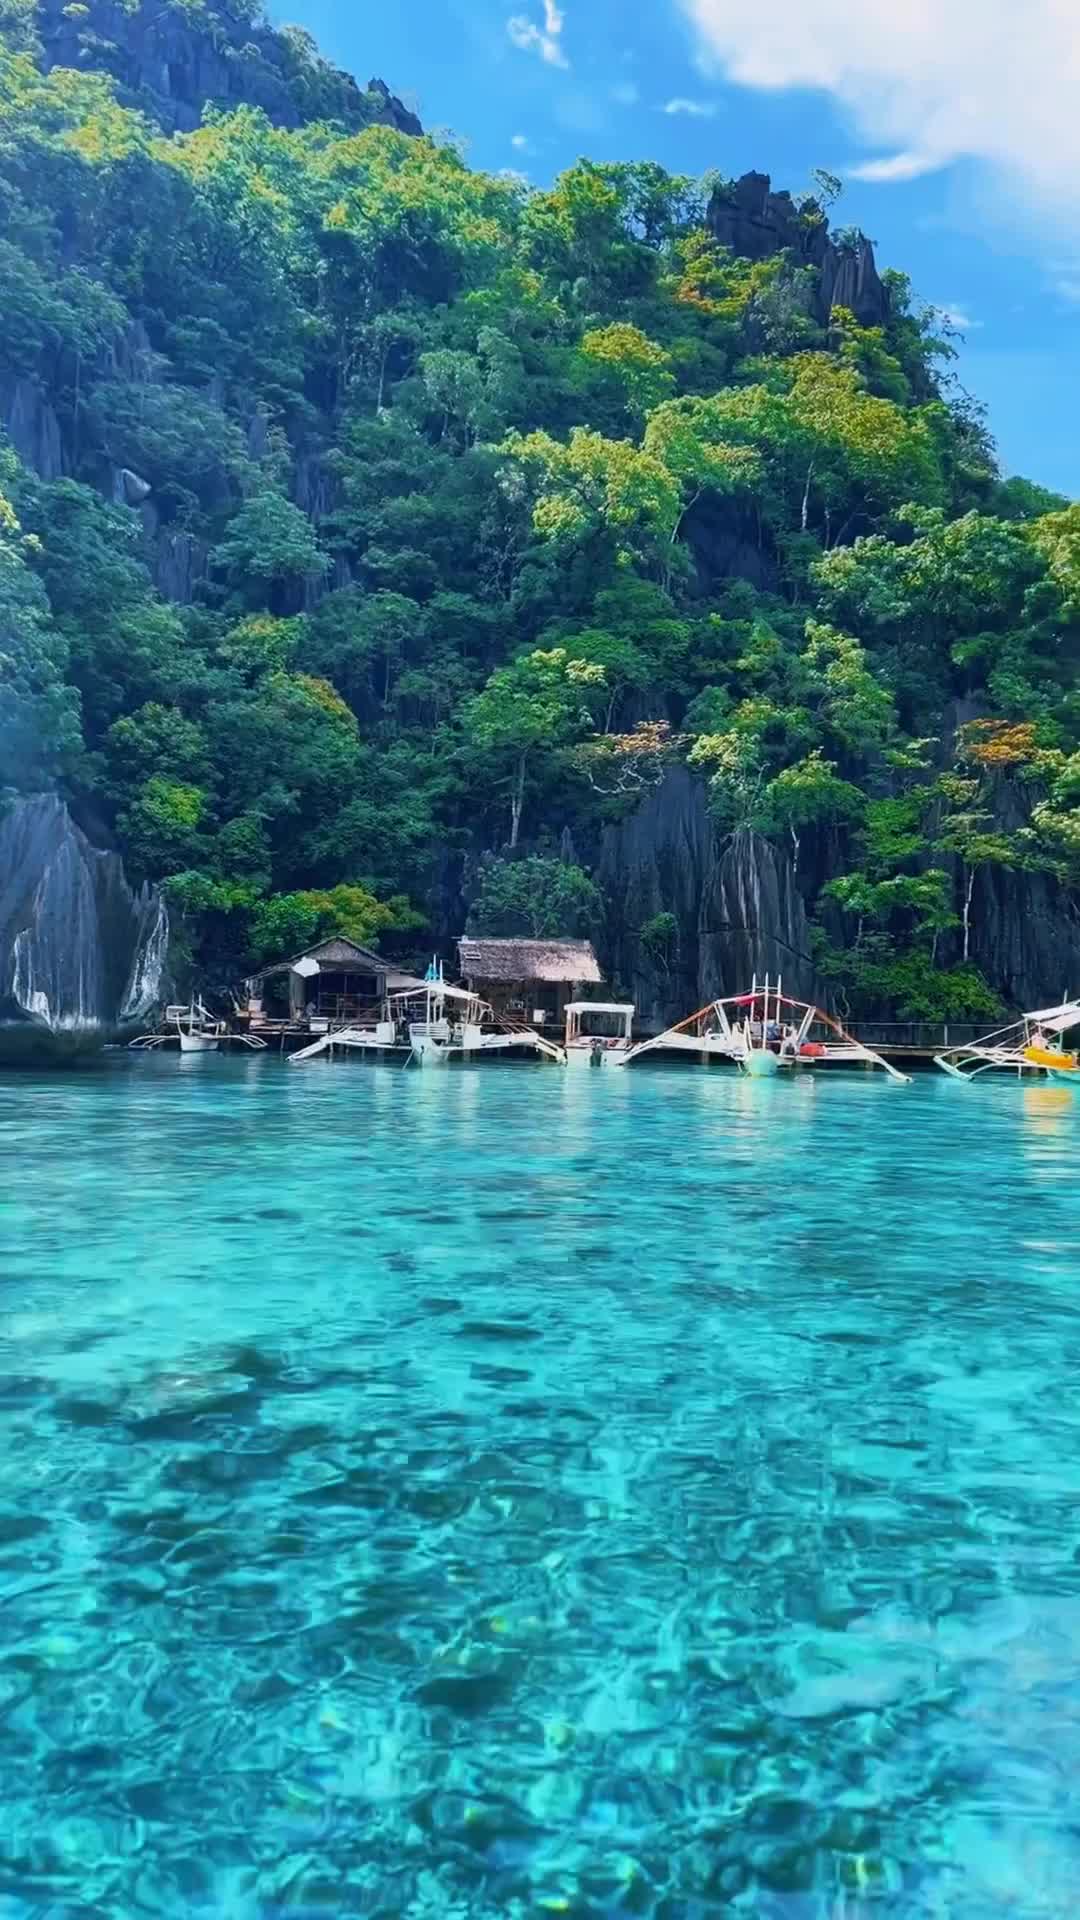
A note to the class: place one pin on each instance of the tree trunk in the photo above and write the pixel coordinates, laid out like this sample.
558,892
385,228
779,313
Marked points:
968,893
517,801
806,498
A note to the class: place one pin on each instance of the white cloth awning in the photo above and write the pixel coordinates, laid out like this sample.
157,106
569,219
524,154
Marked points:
306,968
1058,1019
437,990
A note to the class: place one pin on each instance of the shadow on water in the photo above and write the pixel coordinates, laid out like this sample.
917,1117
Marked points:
503,1494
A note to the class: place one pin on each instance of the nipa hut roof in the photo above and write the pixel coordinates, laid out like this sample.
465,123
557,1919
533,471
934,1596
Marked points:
337,951
570,962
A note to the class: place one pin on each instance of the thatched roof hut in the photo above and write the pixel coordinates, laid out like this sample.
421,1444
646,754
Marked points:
534,978
334,980
569,962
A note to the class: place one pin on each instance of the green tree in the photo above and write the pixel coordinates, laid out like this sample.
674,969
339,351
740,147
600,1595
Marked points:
591,484
163,827
637,364
532,706
536,897
807,794
287,923
39,714
269,544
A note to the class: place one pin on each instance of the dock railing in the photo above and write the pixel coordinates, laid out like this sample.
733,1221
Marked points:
920,1036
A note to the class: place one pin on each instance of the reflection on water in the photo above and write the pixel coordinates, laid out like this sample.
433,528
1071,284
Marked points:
506,1493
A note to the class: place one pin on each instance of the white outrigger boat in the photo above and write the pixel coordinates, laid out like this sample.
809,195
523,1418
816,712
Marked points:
598,1032
432,1025
197,1031
446,1023
763,1033
1032,1044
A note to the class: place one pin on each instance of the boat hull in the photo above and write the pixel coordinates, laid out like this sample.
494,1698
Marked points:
578,1057
760,1064
198,1043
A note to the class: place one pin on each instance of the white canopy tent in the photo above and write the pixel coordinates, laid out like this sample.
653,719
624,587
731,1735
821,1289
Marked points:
1056,1019
438,990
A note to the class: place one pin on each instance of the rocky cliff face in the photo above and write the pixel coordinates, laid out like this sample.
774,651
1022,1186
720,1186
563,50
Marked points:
752,220
82,954
172,61
31,424
1025,929
734,905
693,914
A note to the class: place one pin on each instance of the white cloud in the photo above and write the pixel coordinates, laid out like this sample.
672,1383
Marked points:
520,141
697,109
1069,290
546,41
898,166
994,81
625,95
959,318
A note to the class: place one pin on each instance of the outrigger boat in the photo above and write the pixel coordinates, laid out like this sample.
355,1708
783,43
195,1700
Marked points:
197,1031
598,1032
1032,1044
763,1033
431,1025
452,1023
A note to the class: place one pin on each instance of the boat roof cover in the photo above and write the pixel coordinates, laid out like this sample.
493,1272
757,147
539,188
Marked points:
438,991
1058,1019
599,1006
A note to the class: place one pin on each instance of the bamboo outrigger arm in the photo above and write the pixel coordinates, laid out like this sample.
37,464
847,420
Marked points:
1021,1046
709,1032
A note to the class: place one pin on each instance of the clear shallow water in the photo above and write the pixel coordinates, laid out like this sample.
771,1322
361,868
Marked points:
510,1493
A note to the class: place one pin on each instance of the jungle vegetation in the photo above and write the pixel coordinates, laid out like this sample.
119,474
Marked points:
495,503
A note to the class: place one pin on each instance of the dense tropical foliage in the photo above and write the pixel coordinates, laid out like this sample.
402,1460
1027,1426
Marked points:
495,502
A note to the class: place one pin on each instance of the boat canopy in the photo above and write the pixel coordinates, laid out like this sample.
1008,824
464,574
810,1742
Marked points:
1057,1019
600,1006
438,991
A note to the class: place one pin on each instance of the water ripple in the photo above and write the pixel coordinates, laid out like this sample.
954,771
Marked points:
506,1494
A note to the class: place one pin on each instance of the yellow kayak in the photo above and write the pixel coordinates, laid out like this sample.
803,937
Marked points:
1047,1057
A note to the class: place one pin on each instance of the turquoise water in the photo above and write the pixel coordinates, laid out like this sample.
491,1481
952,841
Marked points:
510,1492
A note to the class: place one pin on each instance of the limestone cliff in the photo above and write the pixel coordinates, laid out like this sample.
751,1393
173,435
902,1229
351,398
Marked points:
82,954
693,913
748,217
172,59
733,902
1025,928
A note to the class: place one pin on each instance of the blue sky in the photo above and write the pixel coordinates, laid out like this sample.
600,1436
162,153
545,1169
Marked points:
968,133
